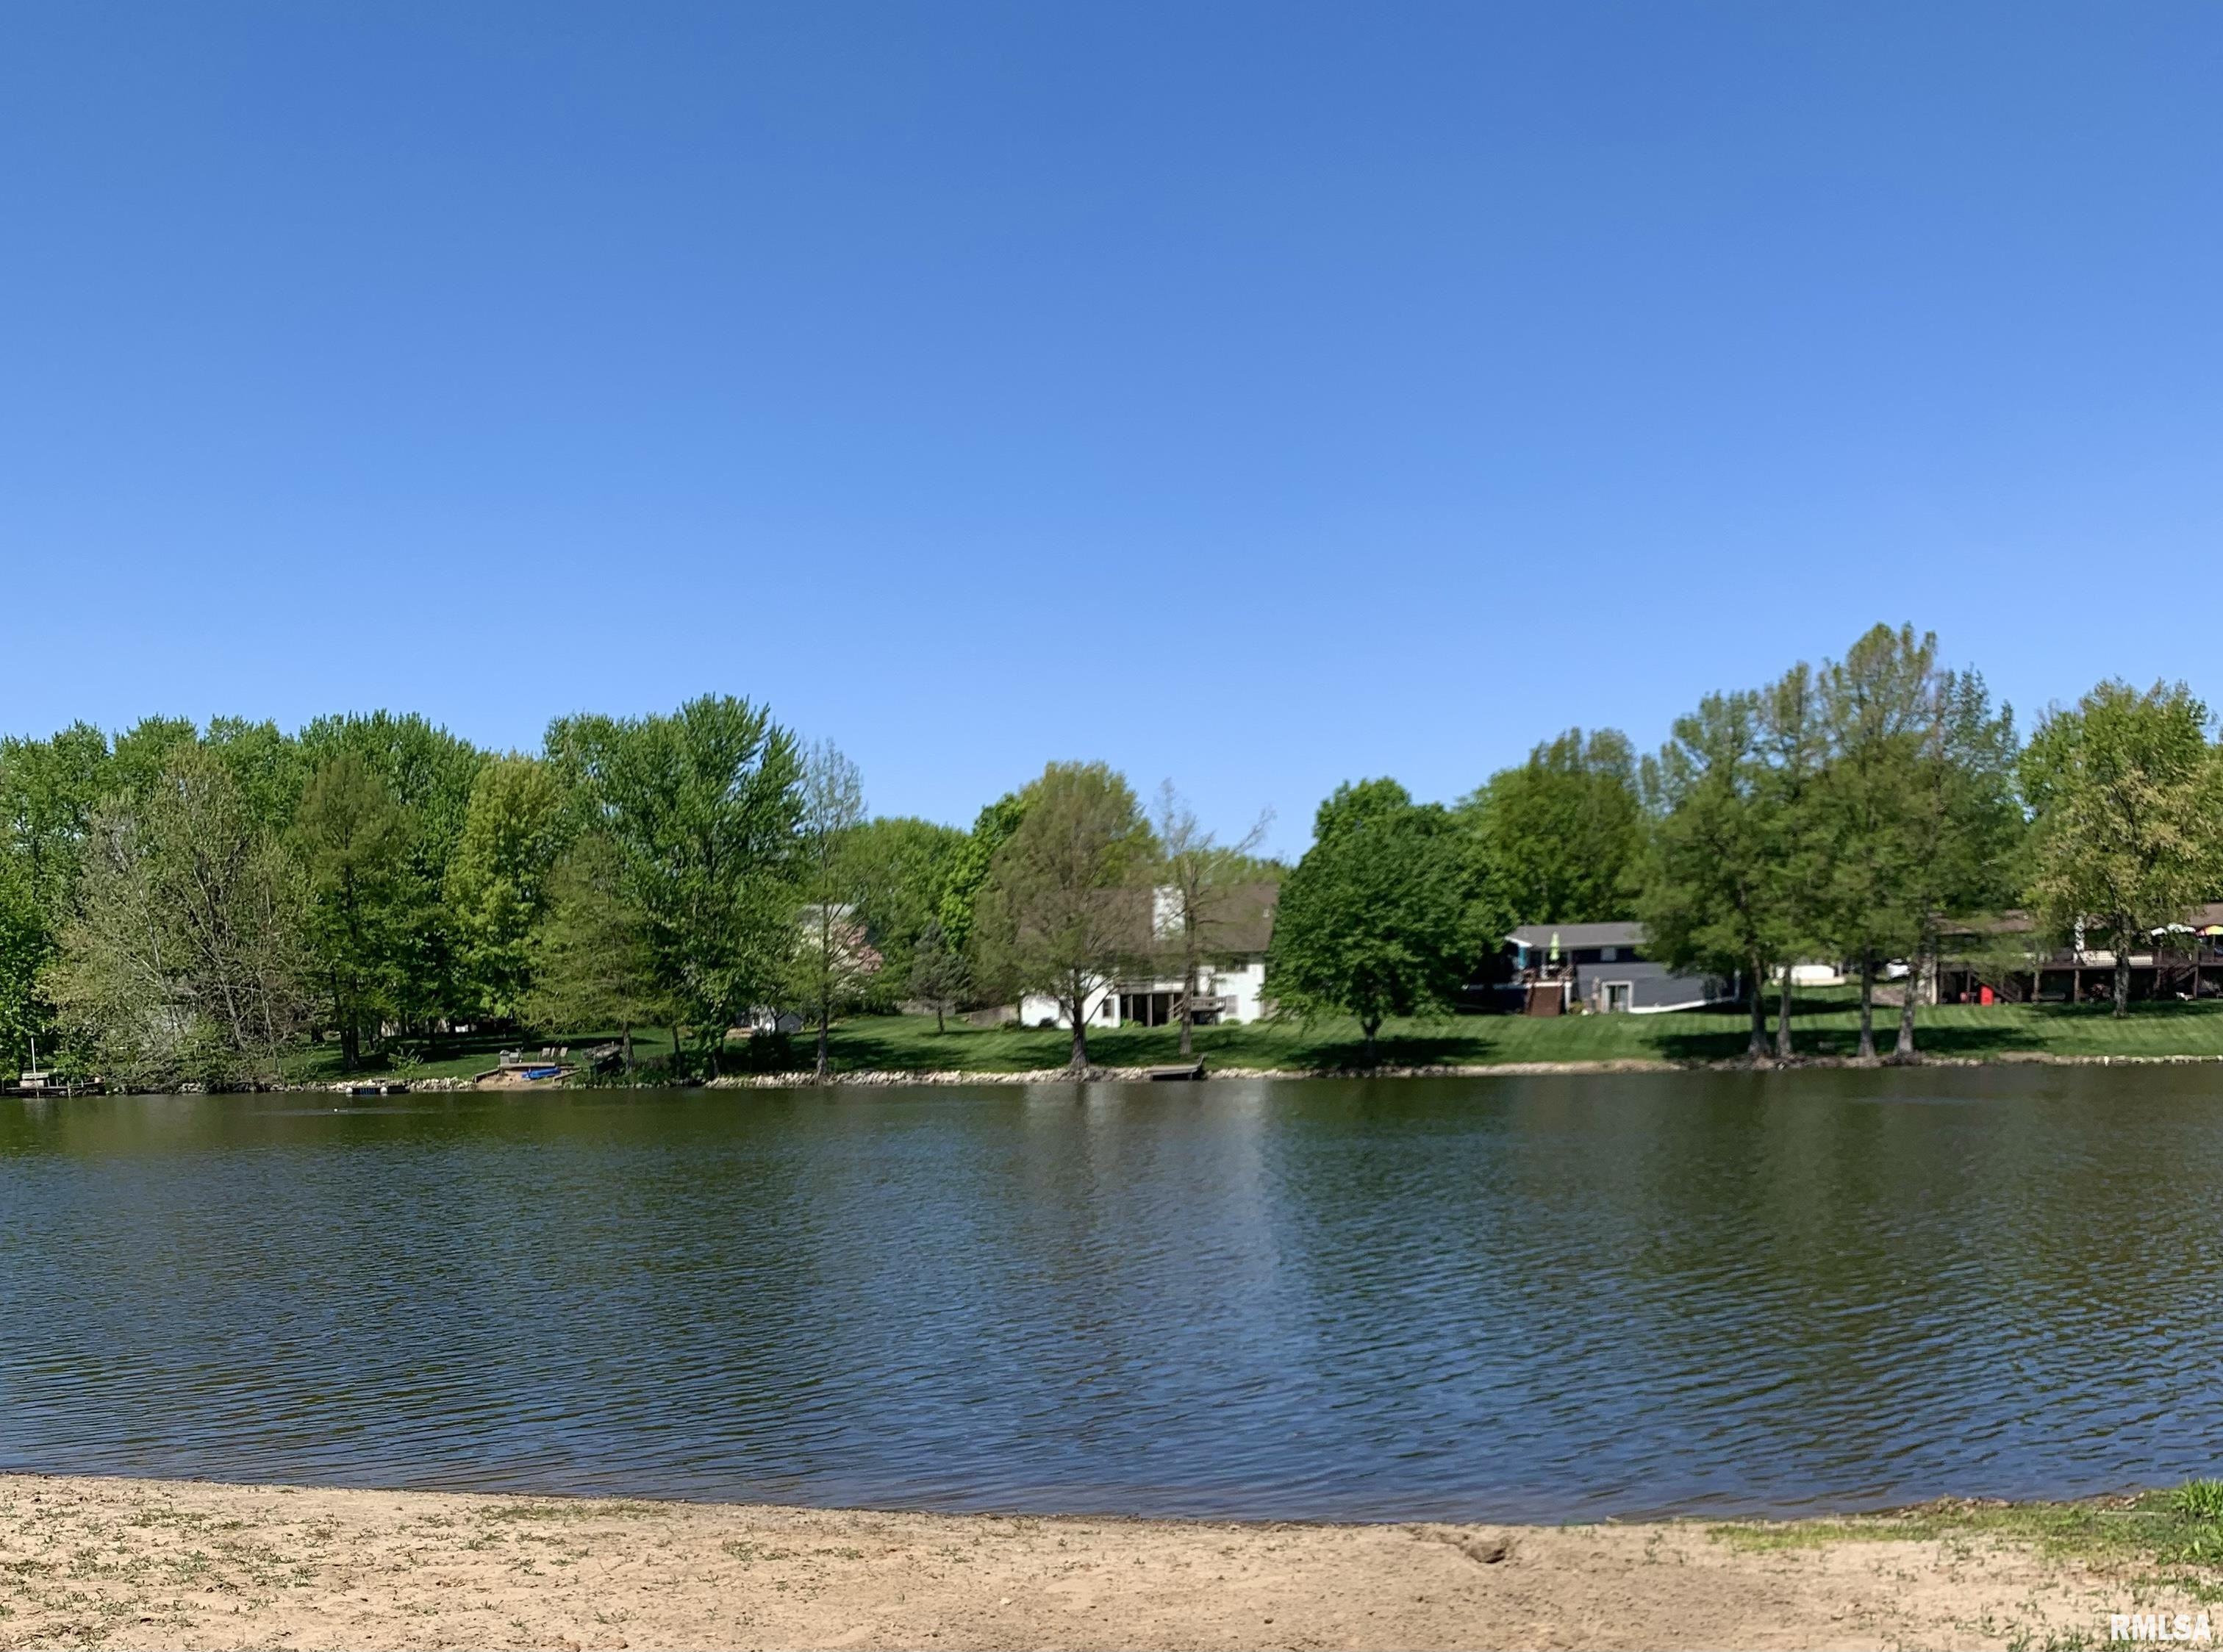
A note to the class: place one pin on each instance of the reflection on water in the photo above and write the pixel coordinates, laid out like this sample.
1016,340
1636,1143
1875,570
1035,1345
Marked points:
1534,1298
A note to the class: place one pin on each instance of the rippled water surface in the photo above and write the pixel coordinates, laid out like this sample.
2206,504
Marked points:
1514,1297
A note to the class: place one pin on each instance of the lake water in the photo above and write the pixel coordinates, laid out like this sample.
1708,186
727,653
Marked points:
1512,1298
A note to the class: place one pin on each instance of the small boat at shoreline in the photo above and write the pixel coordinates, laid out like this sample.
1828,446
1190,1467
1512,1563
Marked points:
1176,1074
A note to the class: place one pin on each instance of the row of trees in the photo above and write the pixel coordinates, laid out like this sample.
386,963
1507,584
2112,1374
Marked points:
185,904
181,904
1847,813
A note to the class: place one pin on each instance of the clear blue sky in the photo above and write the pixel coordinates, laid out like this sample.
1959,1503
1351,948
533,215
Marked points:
1261,396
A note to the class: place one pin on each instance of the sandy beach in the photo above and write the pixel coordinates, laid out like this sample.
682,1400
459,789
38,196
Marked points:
141,1563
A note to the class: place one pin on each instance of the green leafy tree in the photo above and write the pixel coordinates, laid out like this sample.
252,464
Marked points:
1796,746
1200,883
141,754
1964,829
592,965
497,877
832,960
970,861
181,960
2124,788
1058,912
703,807
1373,922
428,773
940,977
354,843
1708,900
266,764
1882,709
1560,839
49,791
903,867
25,947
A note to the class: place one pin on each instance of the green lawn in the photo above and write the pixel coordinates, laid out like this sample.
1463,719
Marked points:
461,1056
1825,1024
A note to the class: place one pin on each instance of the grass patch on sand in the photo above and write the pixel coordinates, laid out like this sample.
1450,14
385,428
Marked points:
2178,1533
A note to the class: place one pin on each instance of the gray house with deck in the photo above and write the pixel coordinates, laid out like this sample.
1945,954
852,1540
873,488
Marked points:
1601,967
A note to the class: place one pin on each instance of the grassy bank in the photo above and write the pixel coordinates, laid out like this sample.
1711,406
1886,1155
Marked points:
462,1055
1825,1024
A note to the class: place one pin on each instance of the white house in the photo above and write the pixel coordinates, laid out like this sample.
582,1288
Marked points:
1231,983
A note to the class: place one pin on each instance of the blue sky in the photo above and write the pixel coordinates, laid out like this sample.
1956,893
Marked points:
1258,396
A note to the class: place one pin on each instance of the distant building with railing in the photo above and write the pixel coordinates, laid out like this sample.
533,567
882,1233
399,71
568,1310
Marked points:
2008,957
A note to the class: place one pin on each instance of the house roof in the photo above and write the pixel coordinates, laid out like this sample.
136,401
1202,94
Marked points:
1579,935
1242,920
1246,924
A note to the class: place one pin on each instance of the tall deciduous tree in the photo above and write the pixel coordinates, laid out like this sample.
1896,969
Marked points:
354,842
1373,922
496,890
703,806
428,774
139,757
1881,709
1560,839
1199,883
180,963
940,977
832,959
1963,829
2124,789
592,965
969,862
1737,850
49,791
1795,748
25,947
266,763
1058,913
1710,898
903,867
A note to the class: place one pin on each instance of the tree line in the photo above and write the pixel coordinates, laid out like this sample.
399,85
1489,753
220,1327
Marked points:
195,905
182,905
1848,813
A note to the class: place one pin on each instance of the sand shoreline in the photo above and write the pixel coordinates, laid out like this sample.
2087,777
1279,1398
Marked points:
154,1563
